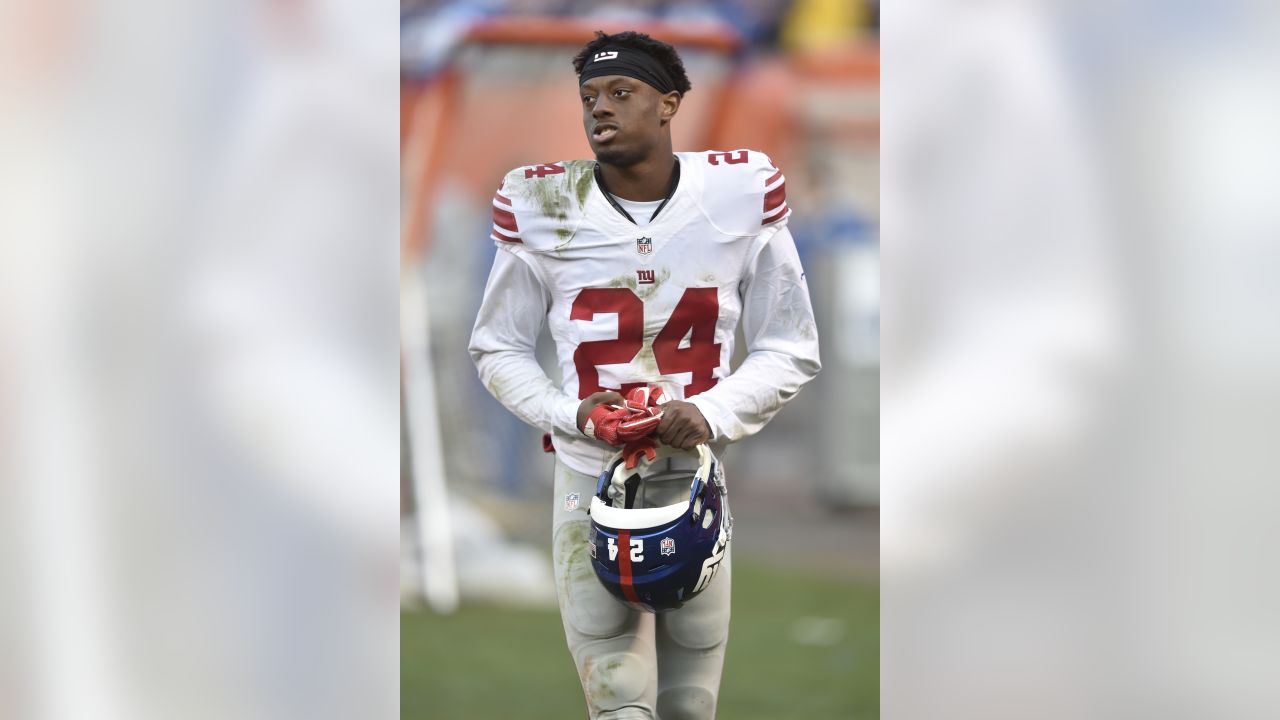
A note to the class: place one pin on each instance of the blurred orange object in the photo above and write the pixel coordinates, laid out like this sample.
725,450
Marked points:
507,100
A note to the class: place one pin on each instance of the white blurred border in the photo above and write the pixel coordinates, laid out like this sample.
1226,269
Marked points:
199,356
1080,282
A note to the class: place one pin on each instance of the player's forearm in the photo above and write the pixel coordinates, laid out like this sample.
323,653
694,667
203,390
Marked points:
782,349
503,344
743,403
516,380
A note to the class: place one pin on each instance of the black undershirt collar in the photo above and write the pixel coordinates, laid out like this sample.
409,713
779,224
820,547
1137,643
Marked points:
671,190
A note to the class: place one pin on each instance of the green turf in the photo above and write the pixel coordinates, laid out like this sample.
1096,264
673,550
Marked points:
491,664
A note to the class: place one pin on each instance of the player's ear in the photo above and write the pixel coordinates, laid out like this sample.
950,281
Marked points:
668,106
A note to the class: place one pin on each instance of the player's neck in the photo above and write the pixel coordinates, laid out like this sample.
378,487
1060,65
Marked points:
646,181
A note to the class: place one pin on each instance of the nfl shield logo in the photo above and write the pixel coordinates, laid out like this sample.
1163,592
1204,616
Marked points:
571,501
644,246
667,546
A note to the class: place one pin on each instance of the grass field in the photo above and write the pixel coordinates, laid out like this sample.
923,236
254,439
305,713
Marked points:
799,648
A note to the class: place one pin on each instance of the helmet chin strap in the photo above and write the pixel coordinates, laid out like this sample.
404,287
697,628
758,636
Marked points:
665,452
706,460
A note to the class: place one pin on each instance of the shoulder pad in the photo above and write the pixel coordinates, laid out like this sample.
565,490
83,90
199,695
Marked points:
742,190
541,205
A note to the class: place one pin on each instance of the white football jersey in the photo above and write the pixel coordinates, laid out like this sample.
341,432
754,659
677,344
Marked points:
629,305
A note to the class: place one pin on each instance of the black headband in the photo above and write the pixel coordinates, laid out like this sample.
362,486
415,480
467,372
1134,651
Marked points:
617,60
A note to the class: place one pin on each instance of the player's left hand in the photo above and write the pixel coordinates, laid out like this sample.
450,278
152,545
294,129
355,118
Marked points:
683,425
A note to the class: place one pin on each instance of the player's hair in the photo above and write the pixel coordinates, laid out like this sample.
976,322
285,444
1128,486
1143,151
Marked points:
656,49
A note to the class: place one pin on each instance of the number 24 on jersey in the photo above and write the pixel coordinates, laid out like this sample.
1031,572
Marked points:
695,315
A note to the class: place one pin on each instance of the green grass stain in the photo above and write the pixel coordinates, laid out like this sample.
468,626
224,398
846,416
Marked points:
552,194
547,195
582,185
645,292
499,390
571,540
625,281
646,364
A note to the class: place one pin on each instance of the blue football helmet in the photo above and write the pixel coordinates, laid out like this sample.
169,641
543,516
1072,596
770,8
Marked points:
658,558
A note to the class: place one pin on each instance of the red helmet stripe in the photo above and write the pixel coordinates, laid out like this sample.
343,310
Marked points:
624,566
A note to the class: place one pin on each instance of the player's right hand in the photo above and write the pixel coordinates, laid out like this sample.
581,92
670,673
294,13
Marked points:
593,401
607,416
601,414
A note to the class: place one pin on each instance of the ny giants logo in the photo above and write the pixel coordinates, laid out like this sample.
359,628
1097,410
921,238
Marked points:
644,277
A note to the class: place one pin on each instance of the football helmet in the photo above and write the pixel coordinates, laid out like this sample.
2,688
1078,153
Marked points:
658,558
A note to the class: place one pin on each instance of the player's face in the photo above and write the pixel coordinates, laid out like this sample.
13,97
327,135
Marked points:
625,119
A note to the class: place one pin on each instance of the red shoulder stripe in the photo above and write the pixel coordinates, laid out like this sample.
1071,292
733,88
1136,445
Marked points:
775,197
501,199
777,215
773,179
505,219
503,238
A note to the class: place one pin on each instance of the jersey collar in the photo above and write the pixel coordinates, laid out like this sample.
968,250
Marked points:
671,190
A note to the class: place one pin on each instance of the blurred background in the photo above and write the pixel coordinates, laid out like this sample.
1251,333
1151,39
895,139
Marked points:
487,86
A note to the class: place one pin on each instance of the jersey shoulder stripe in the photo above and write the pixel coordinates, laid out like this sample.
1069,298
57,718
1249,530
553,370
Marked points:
541,206
775,199
505,227
741,191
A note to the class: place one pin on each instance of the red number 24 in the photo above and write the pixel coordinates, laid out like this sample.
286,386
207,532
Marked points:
694,315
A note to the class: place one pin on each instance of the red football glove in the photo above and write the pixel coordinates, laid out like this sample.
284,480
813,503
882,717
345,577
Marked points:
643,398
642,403
619,425
638,417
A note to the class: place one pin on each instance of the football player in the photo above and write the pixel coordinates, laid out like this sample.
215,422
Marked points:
641,262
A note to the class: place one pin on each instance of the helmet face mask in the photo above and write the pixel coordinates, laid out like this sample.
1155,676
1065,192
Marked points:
658,558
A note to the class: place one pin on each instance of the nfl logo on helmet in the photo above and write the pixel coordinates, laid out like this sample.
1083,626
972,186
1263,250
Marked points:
667,546
644,245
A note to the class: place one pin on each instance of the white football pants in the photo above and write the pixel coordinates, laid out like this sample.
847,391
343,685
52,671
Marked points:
634,664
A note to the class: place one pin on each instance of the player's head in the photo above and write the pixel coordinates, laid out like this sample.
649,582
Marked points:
630,86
